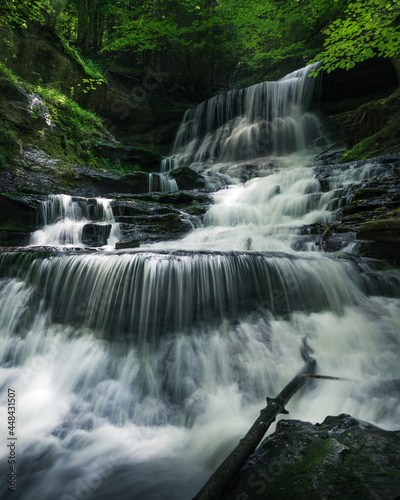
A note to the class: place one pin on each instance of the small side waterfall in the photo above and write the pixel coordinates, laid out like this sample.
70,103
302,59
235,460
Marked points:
162,181
37,106
65,217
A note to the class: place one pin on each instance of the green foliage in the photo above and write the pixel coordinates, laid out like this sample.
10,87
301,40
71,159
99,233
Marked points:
366,29
200,44
17,13
202,40
361,151
8,74
66,113
9,134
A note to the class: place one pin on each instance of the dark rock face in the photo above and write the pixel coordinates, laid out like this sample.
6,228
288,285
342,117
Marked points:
343,90
341,458
387,250
374,210
18,218
40,57
387,230
128,119
371,209
155,217
101,183
95,235
129,156
187,178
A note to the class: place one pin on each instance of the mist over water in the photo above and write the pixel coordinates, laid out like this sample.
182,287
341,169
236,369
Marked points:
137,372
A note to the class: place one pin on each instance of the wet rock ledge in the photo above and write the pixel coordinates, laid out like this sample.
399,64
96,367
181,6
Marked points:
342,458
370,208
143,218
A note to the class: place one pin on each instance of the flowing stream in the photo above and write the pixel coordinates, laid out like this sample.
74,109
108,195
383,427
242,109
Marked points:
136,372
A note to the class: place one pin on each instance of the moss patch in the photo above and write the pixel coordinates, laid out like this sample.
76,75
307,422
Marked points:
371,130
342,458
387,140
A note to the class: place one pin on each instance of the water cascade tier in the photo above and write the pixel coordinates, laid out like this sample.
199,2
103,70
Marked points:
240,126
137,371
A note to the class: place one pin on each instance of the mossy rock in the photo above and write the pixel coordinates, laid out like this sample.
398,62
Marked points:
380,230
342,458
371,130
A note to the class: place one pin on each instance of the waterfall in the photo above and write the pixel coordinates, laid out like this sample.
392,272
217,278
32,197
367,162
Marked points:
267,119
146,295
65,217
37,106
162,181
136,372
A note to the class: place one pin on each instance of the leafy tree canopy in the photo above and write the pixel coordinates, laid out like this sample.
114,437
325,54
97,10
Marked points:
16,13
203,44
367,28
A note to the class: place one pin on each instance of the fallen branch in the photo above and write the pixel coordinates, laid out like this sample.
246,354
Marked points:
223,476
328,229
326,377
326,150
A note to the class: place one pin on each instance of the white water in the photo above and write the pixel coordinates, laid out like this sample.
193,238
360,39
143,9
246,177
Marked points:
240,127
64,219
136,373
162,181
37,106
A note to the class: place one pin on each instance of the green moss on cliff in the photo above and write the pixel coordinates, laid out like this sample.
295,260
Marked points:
58,125
371,130
387,140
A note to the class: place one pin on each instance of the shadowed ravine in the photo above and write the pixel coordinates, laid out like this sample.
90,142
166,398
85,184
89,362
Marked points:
136,372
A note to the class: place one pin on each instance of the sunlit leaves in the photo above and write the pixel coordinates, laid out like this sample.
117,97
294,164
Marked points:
367,29
16,13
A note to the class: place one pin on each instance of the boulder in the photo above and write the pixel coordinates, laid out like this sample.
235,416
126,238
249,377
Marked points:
95,235
341,458
187,178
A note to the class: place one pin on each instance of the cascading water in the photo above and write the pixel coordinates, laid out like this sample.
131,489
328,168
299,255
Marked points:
137,372
268,119
162,181
37,106
64,219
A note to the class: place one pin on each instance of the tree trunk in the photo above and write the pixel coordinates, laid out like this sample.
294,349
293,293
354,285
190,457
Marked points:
223,476
395,60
